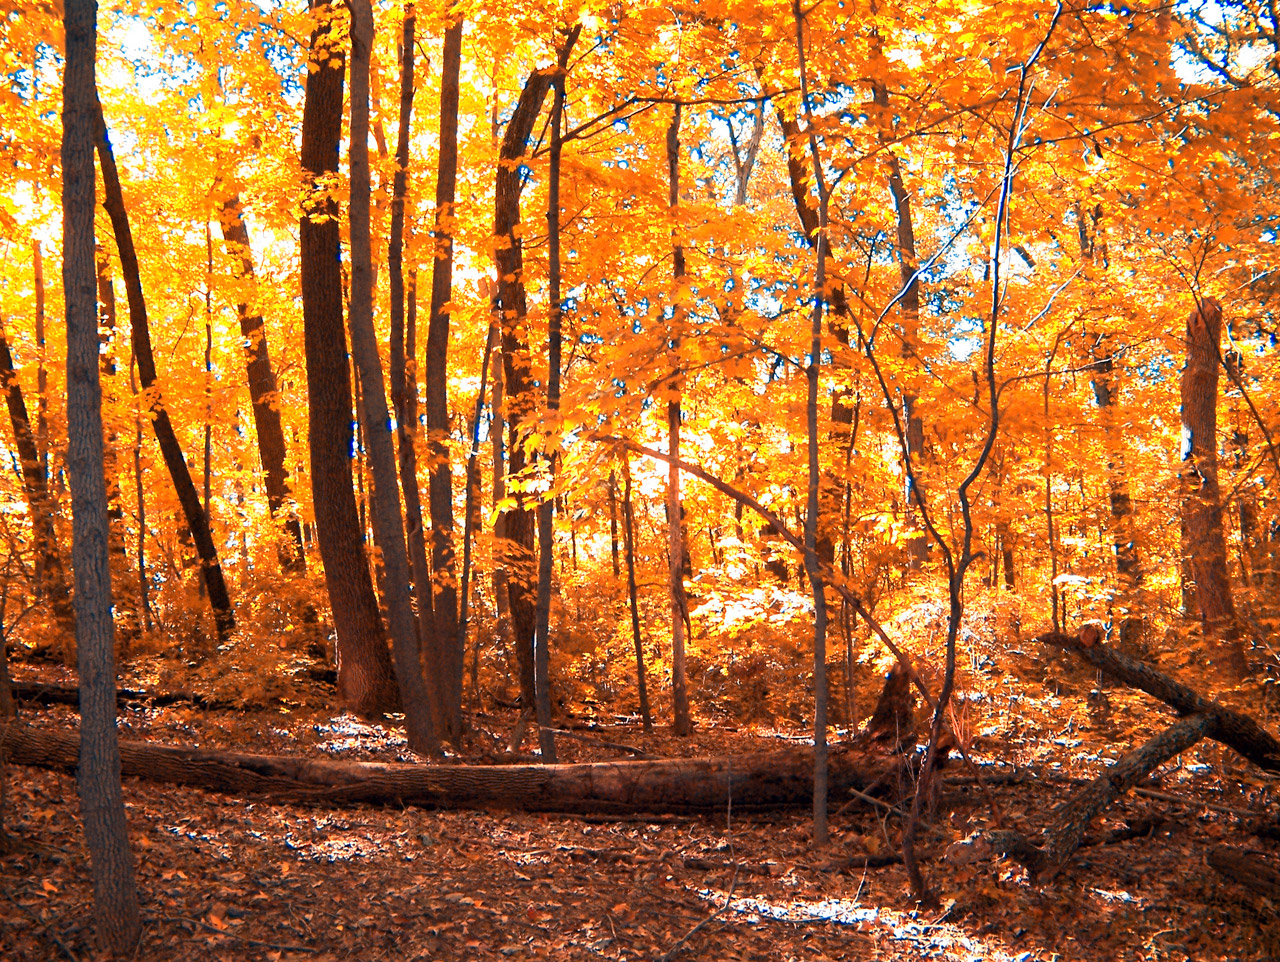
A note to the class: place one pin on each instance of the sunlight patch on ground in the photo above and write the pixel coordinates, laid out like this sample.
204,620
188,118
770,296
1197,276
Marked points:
347,733
935,937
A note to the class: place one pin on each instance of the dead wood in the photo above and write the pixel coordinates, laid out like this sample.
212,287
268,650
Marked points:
766,780
1246,868
42,693
1231,728
1075,814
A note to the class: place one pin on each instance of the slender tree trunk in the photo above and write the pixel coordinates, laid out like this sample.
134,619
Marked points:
613,524
1129,573
51,577
546,509
517,523
444,592
812,562
385,497
364,664
144,594
170,448
682,724
629,547
263,389
207,473
116,919
42,374
1051,532
1205,546
471,513
404,387
908,265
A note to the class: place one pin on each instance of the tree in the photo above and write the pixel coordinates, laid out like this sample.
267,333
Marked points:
365,681
35,485
1208,595
115,898
263,390
388,524
442,592
170,447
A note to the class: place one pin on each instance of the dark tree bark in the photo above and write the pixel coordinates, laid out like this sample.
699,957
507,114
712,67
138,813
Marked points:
629,547
404,386
263,390
681,723
51,577
762,781
1129,573
547,508
517,379
170,448
1204,548
115,899
613,524
813,564
365,681
833,485
1239,732
444,591
388,523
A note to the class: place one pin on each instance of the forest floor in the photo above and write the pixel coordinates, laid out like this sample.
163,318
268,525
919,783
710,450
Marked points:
228,878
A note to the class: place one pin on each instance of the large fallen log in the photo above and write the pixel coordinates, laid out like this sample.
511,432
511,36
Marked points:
1073,816
681,785
1237,731
1203,718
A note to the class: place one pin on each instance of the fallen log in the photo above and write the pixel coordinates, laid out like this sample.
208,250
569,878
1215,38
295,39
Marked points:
1249,869
43,693
763,780
1231,728
1074,815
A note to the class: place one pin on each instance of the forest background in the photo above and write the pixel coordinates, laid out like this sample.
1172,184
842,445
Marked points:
965,310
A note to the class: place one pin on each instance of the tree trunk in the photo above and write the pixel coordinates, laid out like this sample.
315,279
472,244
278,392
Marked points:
263,390
629,548
1204,550
551,431
388,524
170,448
517,381
115,899
766,780
404,387
364,665
813,564
51,577
444,591
1129,573
682,724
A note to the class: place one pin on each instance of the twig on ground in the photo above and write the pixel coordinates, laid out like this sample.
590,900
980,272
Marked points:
277,946
728,900
615,746
45,927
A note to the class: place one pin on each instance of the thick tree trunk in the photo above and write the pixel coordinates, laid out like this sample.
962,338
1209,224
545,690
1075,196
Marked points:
681,722
365,681
444,591
767,780
52,578
517,528
388,523
263,390
1205,552
115,898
